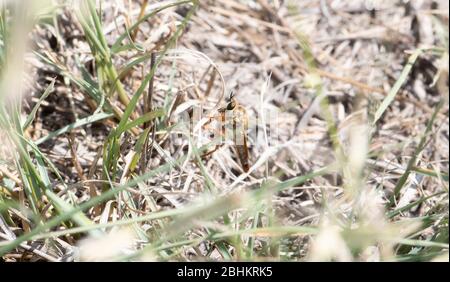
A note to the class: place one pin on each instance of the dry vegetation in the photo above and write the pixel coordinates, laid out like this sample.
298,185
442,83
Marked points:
95,165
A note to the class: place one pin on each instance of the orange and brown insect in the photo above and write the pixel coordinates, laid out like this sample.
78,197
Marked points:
235,114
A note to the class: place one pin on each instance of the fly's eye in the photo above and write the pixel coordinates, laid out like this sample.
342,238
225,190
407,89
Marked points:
231,106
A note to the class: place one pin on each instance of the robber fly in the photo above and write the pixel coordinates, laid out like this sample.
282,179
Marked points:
236,115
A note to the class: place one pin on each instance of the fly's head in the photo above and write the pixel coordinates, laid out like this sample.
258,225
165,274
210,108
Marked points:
231,102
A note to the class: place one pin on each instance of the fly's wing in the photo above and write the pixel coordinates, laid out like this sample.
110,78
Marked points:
240,126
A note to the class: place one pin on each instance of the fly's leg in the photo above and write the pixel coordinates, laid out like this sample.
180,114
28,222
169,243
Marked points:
222,132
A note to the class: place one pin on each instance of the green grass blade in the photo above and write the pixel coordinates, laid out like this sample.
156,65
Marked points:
412,162
398,84
32,115
79,123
